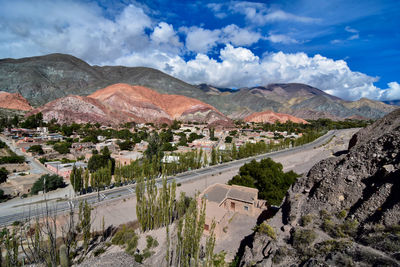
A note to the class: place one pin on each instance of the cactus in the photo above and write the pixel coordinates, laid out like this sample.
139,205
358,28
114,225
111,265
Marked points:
64,260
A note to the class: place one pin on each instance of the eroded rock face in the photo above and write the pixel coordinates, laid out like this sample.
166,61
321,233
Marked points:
120,103
14,101
346,210
269,116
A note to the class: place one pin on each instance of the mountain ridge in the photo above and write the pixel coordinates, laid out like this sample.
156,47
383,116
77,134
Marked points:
121,103
42,79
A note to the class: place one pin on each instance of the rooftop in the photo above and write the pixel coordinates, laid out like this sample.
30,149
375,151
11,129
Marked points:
219,192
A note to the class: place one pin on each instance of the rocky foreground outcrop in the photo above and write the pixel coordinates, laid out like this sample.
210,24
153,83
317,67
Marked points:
121,103
344,212
14,101
269,116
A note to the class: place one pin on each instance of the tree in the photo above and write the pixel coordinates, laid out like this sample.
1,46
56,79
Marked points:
86,179
182,140
15,120
36,149
62,147
234,151
154,148
175,125
166,136
3,175
228,139
212,135
268,177
33,121
214,159
76,179
52,182
85,211
98,161
125,145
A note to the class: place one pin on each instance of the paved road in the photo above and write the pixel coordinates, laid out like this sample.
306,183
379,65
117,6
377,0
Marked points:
35,167
9,214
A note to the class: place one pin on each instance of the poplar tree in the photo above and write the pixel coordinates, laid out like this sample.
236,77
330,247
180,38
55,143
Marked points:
76,179
86,179
85,211
213,156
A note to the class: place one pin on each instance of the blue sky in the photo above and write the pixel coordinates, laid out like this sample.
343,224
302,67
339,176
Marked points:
347,48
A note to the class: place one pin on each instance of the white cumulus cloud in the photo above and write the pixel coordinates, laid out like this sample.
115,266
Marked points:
259,13
282,38
201,40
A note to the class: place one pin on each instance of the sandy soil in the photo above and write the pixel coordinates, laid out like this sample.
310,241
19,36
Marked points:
19,184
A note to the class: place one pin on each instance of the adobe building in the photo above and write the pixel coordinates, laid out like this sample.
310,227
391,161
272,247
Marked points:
223,201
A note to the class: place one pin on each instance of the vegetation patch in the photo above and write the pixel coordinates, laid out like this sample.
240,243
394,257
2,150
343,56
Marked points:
266,229
306,220
47,182
126,237
303,238
268,177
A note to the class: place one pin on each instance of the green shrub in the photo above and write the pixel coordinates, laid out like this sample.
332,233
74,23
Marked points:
16,223
43,160
306,219
151,242
341,215
99,251
36,149
303,238
328,226
332,245
266,229
126,237
62,147
138,258
3,175
349,227
280,254
14,158
325,215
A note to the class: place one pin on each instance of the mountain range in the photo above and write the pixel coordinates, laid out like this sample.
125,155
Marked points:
46,78
121,103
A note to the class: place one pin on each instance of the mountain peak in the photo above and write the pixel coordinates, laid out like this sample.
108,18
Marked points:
268,116
14,101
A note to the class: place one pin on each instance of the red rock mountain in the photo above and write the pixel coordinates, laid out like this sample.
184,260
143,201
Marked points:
269,116
14,101
120,103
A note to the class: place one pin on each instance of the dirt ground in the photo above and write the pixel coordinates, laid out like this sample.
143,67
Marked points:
17,184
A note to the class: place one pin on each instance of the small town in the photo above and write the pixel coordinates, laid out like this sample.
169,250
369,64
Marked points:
60,151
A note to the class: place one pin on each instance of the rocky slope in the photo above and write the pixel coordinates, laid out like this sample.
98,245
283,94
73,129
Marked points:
269,116
14,101
120,103
345,211
46,78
